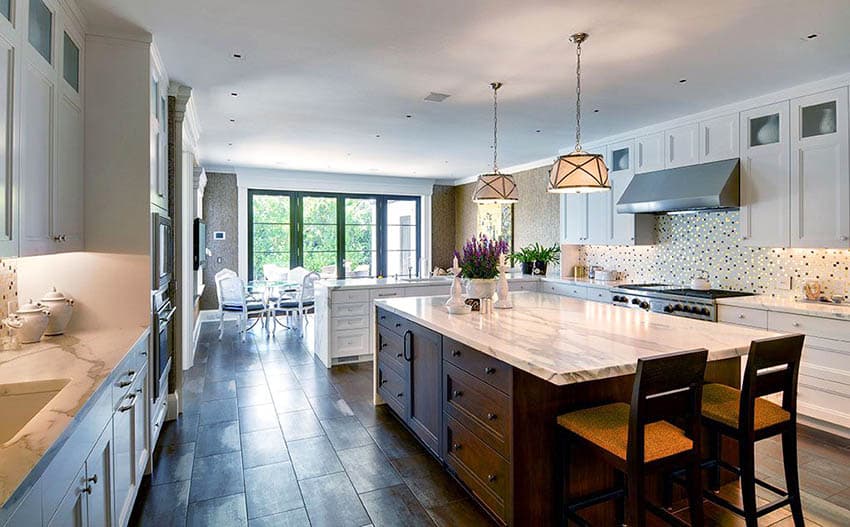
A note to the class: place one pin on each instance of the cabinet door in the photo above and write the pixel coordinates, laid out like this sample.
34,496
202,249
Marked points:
719,138
650,153
140,427
620,172
124,457
72,511
98,482
67,190
574,218
682,146
598,218
36,162
820,171
8,198
765,177
423,351
159,141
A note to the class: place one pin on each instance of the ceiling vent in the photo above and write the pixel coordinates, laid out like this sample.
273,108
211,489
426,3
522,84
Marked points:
436,97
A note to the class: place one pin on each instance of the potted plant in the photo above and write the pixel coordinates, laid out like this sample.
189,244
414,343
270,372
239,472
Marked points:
543,256
479,265
525,257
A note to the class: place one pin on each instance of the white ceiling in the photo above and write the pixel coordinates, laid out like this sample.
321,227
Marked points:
320,79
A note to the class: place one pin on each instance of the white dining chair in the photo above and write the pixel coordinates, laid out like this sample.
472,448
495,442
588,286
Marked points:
301,305
233,298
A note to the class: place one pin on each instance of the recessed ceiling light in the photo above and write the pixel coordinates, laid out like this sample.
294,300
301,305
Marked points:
234,94
812,36
682,81
408,116
377,135
237,56
233,120
229,144
596,110
538,131
436,97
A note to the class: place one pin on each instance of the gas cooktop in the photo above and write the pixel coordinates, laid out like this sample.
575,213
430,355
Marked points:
684,291
671,299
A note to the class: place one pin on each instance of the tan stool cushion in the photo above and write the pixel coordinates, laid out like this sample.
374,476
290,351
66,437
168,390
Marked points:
721,403
608,427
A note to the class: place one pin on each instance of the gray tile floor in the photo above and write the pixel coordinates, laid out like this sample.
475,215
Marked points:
270,437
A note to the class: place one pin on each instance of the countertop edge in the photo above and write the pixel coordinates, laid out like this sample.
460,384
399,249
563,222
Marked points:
765,303
44,461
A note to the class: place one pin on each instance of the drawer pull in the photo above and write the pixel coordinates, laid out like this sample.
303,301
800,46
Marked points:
741,316
87,489
398,355
491,478
400,394
93,479
455,353
491,416
456,446
383,345
383,382
383,317
489,371
398,324
457,393
796,324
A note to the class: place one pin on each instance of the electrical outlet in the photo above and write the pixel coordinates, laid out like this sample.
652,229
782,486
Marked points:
786,283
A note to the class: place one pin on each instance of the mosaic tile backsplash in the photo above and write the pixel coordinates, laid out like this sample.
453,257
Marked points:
712,242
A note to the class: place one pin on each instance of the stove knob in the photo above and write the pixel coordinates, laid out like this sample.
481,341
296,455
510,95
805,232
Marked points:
668,308
677,307
686,309
616,298
705,311
636,301
644,305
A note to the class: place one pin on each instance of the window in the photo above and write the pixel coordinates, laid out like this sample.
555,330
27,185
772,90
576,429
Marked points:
334,235
71,63
41,29
496,221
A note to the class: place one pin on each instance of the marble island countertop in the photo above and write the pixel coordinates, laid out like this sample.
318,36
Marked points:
566,340
86,359
790,305
377,283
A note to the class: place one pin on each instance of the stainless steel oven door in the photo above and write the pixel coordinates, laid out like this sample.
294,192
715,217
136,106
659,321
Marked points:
164,343
163,251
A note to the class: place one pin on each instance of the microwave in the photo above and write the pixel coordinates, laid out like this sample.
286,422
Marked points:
163,251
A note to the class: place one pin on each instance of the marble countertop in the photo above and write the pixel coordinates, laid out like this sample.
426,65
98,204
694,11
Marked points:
86,359
377,283
566,340
604,284
789,305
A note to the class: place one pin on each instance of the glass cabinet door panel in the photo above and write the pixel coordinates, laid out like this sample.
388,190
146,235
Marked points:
818,119
764,130
71,63
620,159
6,9
41,29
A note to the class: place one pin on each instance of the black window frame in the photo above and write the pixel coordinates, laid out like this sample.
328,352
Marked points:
296,222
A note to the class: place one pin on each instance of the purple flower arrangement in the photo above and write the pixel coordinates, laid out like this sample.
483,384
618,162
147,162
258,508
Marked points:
480,258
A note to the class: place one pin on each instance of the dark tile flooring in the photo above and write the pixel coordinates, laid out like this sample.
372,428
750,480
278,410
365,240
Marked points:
269,437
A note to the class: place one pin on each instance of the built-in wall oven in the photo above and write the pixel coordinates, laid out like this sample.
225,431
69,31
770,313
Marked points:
163,251
163,326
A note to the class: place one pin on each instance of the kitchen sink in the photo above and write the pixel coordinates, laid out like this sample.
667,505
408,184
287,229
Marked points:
435,279
21,401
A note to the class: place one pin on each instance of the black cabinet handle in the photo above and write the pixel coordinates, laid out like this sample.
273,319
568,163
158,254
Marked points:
398,324
383,345
455,353
383,317
489,371
408,348
491,416
400,394
398,355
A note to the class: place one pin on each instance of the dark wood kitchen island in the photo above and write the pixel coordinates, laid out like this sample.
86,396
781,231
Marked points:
482,392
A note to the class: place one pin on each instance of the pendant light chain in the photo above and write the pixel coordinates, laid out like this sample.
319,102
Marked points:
578,94
495,86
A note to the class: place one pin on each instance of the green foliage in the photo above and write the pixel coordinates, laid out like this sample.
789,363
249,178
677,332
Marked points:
536,253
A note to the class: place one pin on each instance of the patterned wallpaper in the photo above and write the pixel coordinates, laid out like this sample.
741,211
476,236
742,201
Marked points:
711,241
221,214
442,226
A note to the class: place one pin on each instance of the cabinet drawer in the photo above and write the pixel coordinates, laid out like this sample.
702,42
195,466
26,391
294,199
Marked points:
350,297
391,388
387,292
391,321
598,294
480,407
522,286
351,310
354,342
429,290
815,326
556,288
478,466
743,316
391,349
493,372
345,323
826,353
825,404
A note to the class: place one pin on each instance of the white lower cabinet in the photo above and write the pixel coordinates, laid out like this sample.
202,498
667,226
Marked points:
129,416
88,503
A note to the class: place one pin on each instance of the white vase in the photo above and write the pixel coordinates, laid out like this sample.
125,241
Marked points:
480,287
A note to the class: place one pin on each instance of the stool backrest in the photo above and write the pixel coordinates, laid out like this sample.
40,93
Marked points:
773,366
668,387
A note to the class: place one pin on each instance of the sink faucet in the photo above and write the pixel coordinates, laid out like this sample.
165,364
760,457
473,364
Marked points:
409,272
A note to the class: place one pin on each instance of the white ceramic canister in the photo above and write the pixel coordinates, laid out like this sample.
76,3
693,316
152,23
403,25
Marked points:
61,308
34,318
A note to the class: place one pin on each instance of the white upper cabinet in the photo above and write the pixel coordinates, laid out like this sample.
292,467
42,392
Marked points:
650,153
718,138
37,115
625,229
598,218
574,218
8,163
820,176
159,139
765,185
682,146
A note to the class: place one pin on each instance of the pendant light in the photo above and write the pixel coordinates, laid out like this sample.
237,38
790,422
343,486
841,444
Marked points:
578,171
495,187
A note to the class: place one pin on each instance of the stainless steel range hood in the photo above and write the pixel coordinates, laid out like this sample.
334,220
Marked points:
705,187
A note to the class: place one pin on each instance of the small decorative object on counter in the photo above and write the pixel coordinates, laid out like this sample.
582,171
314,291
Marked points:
579,271
34,318
812,289
474,304
605,276
700,281
502,290
9,333
486,307
480,265
455,304
525,257
61,308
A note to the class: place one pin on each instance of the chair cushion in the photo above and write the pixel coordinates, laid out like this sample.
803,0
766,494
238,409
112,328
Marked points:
252,306
293,304
608,428
721,403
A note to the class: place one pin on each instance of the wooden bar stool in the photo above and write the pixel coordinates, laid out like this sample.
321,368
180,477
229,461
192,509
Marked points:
640,439
772,367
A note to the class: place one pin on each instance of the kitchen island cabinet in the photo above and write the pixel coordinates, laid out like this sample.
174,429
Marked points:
506,376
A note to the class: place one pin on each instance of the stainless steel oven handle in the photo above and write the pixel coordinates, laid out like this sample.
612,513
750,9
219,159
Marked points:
167,317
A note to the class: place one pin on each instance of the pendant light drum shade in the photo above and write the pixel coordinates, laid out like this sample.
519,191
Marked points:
495,188
579,172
